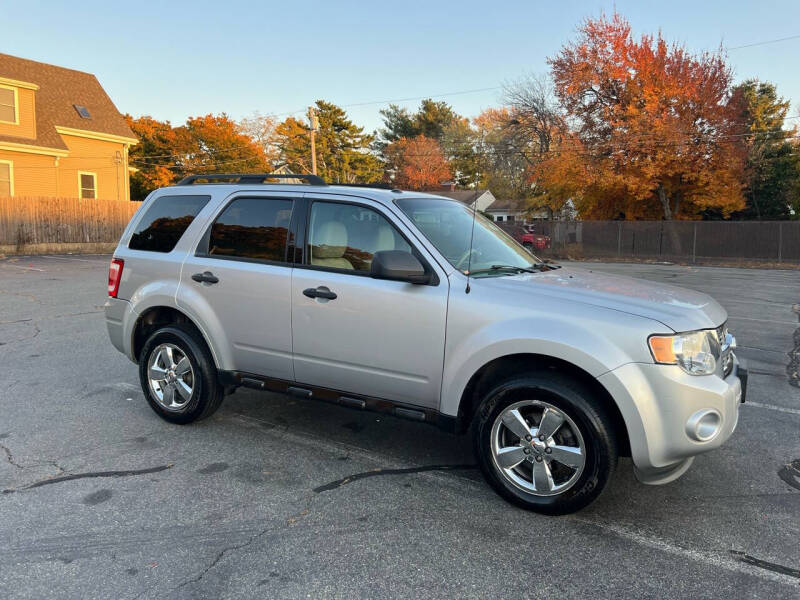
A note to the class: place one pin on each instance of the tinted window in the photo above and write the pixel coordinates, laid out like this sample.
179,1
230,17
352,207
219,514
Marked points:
255,228
346,236
163,224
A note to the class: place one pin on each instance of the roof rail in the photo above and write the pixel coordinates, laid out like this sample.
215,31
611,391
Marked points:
377,186
249,178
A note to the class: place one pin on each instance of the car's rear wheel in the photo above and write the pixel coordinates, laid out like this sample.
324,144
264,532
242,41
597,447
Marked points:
544,443
178,376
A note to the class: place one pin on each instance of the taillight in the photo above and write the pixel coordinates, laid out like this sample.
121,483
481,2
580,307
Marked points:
114,276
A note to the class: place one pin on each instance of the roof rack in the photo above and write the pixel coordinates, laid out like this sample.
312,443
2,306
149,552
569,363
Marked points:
249,178
377,186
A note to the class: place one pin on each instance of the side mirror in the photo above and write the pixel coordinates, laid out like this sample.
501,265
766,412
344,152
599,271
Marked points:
398,265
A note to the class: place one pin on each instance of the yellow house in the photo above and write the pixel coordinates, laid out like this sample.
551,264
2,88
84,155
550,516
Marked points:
60,134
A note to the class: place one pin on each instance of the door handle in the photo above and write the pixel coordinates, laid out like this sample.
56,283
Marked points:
206,277
319,292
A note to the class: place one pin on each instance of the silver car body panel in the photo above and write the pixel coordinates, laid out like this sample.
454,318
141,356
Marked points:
421,345
378,338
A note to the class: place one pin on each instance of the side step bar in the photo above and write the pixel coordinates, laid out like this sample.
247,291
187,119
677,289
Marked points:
236,379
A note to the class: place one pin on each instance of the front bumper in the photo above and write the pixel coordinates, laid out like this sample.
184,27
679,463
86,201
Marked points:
658,403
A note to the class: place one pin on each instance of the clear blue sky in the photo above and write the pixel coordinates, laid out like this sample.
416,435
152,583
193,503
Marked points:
173,59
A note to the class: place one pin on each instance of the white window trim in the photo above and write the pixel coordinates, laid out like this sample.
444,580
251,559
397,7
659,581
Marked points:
16,104
10,174
80,187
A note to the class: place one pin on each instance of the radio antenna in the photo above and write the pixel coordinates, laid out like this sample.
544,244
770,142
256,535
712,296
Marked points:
471,238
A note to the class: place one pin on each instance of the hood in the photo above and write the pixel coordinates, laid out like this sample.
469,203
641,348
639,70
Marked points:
678,308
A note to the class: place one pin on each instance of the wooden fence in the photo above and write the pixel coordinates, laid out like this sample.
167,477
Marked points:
44,224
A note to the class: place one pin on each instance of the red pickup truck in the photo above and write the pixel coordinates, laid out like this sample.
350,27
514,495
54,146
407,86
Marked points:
525,235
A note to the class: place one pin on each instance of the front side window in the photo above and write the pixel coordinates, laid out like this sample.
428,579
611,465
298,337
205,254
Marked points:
347,236
8,105
252,228
6,179
88,185
449,226
165,221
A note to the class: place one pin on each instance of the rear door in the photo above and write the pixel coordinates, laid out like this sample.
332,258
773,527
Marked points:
376,338
239,279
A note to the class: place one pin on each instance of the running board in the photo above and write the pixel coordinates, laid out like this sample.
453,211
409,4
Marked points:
358,402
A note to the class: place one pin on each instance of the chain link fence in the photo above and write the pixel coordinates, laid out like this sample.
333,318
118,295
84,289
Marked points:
680,241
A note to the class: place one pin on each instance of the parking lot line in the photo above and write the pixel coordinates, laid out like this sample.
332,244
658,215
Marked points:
763,320
791,411
709,558
713,559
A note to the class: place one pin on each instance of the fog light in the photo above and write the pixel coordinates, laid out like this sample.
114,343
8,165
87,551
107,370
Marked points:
704,425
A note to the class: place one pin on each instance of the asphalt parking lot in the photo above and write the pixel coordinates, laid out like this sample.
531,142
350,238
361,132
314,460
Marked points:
285,498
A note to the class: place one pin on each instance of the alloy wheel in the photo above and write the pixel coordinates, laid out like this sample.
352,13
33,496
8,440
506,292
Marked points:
537,447
171,377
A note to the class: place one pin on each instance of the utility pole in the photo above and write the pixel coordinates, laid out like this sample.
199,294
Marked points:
314,127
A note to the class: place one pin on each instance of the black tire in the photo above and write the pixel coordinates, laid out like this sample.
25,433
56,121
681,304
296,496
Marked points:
207,393
577,402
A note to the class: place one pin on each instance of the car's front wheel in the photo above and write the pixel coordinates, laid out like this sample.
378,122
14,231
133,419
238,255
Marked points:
178,375
544,443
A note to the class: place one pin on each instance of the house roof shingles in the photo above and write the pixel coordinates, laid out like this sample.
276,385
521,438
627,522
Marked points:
508,204
60,89
465,196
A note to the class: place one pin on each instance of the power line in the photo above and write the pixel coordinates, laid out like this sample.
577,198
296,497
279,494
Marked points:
784,39
414,98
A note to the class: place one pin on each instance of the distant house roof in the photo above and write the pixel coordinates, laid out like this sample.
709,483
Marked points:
61,94
508,204
465,196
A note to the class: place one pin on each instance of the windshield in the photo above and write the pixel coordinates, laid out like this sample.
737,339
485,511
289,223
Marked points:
448,225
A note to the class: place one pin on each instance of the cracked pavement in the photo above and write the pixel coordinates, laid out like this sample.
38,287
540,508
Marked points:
281,497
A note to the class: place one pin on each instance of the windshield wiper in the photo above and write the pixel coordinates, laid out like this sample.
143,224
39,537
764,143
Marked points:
535,268
504,268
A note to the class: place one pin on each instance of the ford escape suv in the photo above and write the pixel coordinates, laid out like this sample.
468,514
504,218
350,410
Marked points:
410,303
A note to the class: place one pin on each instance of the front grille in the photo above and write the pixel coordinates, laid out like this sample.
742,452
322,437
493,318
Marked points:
727,355
722,331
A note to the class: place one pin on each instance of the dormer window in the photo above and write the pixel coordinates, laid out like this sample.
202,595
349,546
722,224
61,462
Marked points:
8,104
82,111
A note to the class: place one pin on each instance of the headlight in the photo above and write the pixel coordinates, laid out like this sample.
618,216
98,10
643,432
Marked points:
693,352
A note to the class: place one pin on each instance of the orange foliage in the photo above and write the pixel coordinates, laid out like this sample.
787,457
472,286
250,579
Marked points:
656,130
417,163
213,143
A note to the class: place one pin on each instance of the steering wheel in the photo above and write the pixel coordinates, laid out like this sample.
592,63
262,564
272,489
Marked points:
460,263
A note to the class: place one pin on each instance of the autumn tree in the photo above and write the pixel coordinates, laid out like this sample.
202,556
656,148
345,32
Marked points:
654,125
504,168
209,144
528,133
416,163
772,171
343,149
437,121
215,143
153,158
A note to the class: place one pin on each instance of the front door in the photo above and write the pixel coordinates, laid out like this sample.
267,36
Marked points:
376,338
240,280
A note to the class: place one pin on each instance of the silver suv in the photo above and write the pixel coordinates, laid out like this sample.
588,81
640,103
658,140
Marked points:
411,304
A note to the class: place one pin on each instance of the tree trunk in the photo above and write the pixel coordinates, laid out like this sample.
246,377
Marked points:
662,195
670,225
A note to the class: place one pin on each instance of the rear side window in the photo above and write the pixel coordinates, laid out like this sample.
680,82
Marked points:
252,229
165,221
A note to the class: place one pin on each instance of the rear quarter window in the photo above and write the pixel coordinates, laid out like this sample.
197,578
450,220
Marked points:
165,221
